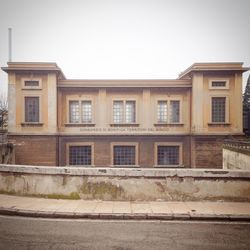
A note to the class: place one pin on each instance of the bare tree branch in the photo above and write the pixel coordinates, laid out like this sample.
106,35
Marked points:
3,111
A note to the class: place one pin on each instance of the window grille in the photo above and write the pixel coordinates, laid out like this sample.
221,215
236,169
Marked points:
168,155
31,109
80,155
124,155
218,109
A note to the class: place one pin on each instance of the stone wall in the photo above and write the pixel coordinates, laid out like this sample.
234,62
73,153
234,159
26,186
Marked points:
142,184
236,155
235,160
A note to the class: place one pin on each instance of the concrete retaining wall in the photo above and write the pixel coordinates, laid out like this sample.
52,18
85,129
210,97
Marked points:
125,184
235,159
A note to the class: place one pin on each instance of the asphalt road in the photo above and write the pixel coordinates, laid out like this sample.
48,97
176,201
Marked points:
32,233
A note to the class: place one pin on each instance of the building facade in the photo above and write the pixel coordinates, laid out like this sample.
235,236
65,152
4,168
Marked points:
124,123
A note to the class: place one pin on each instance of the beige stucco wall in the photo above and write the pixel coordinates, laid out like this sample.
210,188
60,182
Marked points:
195,104
48,102
146,110
201,103
235,160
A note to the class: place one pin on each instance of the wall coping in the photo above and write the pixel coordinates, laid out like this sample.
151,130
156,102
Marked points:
125,172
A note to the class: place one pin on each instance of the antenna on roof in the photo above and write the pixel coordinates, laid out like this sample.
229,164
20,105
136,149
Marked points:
10,44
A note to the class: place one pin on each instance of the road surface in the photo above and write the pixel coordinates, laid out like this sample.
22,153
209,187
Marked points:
41,234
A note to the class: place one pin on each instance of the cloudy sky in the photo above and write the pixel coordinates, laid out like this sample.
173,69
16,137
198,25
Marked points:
125,38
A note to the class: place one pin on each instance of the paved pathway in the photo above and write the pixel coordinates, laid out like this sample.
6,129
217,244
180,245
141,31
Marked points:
94,209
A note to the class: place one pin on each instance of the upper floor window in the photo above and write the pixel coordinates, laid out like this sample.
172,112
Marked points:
32,83
168,111
80,111
219,84
219,109
31,109
124,112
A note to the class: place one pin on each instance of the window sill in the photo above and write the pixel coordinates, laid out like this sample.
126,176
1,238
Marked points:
31,124
168,124
168,166
218,124
79,124
82,166
124,124
124,166
30,88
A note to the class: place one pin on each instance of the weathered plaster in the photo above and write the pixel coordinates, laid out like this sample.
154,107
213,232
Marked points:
126,184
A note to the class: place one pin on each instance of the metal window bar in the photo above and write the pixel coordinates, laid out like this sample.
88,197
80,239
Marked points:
80,155
218,109
168,155
31,109
124,155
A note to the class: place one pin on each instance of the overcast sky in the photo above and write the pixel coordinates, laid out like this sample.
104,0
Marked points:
125,38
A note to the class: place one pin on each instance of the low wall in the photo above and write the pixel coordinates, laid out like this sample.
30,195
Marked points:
125,184
236,155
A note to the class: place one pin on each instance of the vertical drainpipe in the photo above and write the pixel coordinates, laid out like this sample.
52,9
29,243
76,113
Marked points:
58,145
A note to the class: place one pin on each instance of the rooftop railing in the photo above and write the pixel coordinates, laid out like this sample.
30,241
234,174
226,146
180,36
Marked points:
244,146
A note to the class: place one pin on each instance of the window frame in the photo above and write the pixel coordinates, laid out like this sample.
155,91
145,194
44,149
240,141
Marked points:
178,144
134,144
39,96
226,109
218,80
79,144
124,100
80,100
39,87
168,100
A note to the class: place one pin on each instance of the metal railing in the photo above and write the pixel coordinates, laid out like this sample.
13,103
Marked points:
236,144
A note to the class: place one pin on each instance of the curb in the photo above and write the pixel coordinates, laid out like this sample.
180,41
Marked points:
124,216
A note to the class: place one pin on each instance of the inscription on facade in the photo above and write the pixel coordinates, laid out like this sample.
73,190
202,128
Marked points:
125,129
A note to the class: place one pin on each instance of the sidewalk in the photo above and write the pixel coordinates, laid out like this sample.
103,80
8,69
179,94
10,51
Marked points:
95,209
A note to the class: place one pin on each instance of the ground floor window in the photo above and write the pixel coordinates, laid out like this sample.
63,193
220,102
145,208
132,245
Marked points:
80,155
124,155
168,155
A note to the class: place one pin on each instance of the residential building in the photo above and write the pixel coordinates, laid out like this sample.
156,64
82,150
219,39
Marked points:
124,123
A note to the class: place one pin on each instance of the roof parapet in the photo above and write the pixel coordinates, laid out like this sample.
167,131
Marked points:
34,66
217,66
